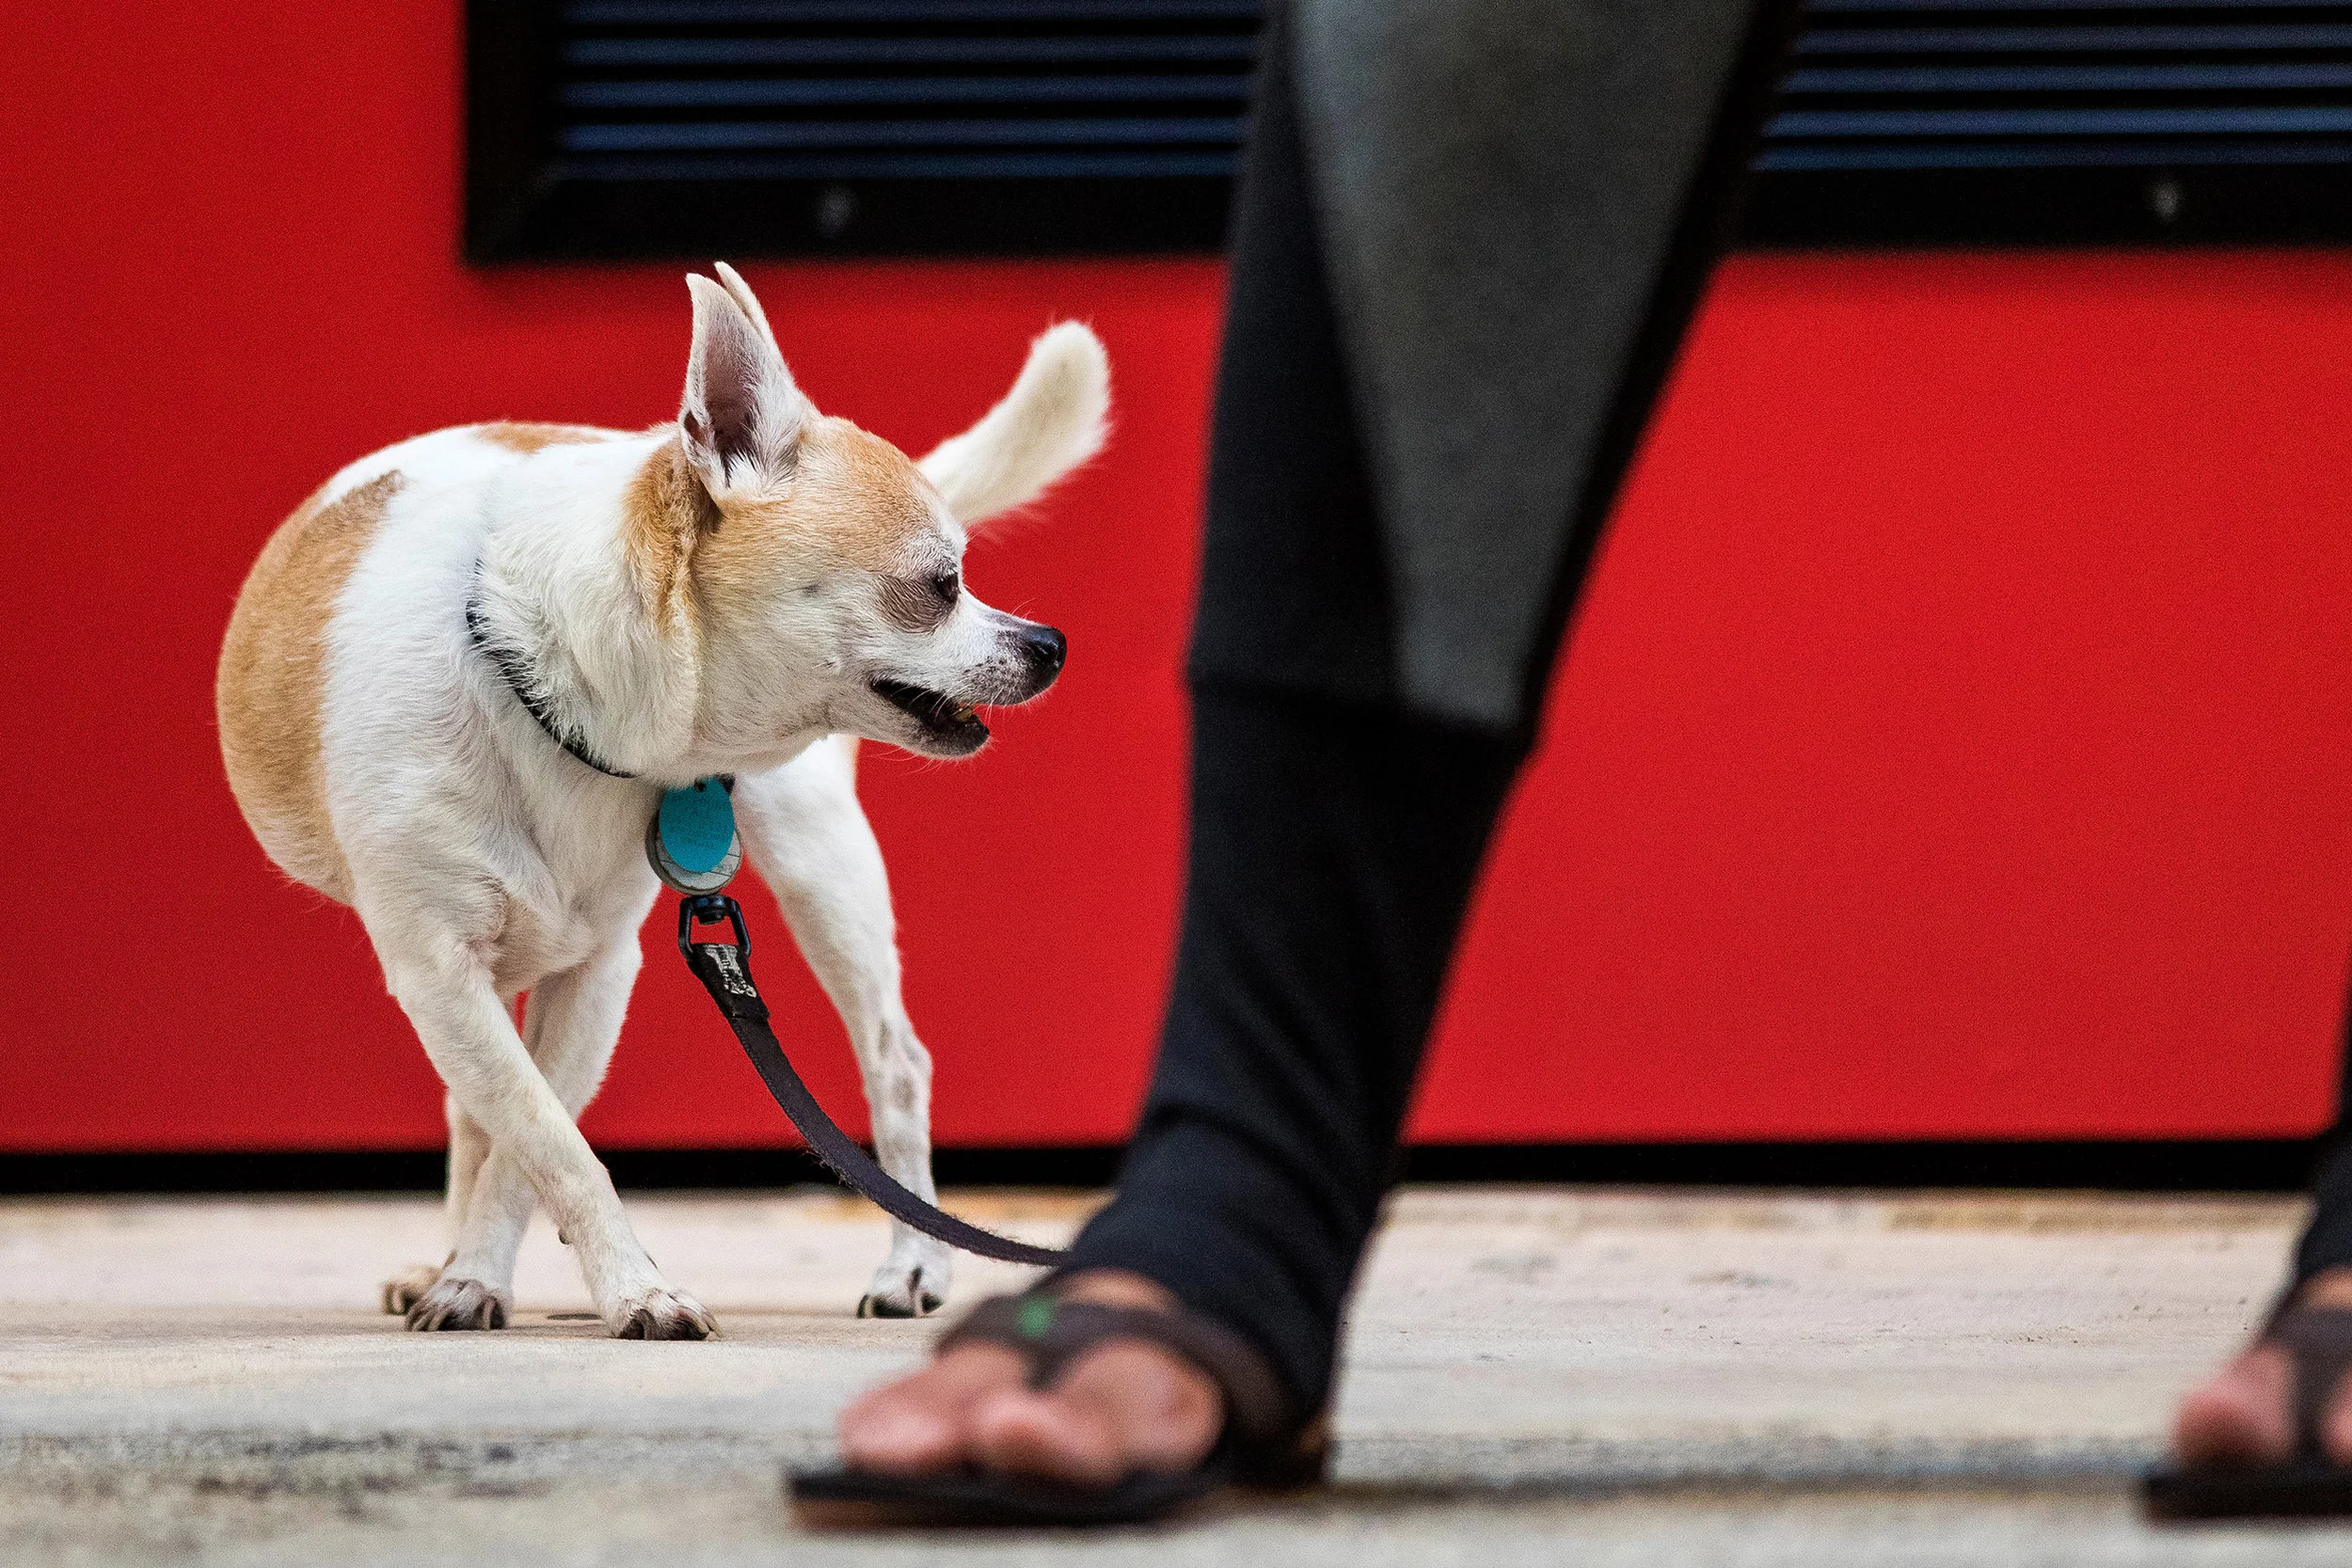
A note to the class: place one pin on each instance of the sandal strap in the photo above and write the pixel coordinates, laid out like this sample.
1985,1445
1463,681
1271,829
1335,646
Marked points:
1048,1333
2319,1341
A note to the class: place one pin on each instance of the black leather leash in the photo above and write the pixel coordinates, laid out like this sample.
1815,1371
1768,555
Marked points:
724,970
693,846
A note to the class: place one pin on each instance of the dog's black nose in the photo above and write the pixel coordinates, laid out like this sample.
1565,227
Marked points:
1045,649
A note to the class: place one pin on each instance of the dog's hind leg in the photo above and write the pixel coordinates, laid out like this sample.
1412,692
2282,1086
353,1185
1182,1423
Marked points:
804,829
468,1146
535,1148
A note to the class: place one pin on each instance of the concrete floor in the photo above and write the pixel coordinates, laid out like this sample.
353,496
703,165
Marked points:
1619,1377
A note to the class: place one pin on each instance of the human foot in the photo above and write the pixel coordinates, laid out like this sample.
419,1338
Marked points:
2245,1413
1119,1407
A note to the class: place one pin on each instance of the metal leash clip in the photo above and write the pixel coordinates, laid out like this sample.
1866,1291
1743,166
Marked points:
710,909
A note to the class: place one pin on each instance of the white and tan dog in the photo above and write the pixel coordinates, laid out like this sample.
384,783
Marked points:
744,590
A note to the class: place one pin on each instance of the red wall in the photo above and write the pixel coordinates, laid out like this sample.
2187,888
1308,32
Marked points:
1953,742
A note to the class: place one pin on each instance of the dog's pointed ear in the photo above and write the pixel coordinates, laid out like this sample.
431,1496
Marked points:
1053,418
741,294
742,417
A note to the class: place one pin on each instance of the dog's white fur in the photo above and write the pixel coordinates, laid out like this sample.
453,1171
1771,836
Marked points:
678,637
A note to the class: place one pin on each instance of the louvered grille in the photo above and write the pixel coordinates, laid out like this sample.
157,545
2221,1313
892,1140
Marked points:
1935,84
868,89
674,126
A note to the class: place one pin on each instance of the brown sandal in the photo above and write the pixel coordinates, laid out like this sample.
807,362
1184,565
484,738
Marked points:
1263,1446
2307,1483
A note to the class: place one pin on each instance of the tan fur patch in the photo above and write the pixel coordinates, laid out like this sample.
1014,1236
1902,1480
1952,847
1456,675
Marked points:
271,685
664,514
526,437
855,501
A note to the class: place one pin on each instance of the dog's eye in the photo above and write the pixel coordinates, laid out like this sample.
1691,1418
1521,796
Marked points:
947,585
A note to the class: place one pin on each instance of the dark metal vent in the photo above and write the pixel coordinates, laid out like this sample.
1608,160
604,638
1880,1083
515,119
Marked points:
689,127
889,125
2022,120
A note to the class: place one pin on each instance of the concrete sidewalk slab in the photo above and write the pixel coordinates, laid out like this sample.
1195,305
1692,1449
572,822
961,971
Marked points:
1645,1376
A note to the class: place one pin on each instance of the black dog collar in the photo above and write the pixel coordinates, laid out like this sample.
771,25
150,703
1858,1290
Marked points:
515,672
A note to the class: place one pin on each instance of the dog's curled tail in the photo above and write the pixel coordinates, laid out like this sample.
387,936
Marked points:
1053,419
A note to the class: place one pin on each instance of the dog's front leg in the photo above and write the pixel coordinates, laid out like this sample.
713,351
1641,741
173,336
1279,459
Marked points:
570,1024
534,1147
804,829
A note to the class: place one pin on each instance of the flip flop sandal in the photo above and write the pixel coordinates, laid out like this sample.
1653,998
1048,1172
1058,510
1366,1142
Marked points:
1261,1445
2307,1485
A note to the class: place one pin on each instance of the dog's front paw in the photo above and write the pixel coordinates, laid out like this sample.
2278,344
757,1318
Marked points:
906,1289
406,1288
454,1304
659,1312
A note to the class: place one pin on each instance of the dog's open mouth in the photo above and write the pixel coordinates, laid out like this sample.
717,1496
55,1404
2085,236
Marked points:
943,718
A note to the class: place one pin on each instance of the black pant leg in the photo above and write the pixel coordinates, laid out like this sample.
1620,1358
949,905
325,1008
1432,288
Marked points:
2326,1242
1294,591
1333,852
1335,838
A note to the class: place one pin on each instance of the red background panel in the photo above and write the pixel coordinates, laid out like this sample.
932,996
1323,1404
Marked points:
1955,739
1952,743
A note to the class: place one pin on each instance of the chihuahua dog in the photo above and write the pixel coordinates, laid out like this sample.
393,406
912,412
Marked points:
460,676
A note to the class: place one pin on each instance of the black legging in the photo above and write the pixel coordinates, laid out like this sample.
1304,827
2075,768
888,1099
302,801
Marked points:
2326,1242
1335,837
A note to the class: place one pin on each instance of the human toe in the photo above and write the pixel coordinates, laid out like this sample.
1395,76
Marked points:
2242,1414
1163,1413
1121,1407
1047,1434
923,1422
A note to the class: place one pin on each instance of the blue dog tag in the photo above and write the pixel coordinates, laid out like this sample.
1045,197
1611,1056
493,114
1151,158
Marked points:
692,840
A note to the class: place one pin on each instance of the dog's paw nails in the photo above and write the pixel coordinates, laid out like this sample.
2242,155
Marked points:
458,1304
665,1315
406,1289
901,1291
